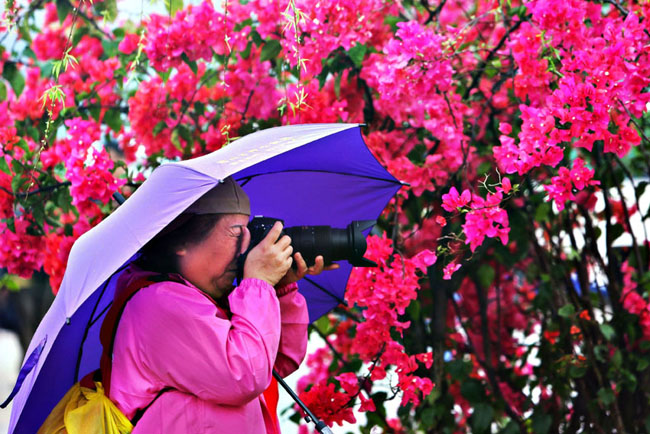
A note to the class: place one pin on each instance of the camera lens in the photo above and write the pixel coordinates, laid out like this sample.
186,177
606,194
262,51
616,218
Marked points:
312,241
333,244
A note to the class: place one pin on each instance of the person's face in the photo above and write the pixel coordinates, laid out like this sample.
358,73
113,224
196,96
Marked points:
211,265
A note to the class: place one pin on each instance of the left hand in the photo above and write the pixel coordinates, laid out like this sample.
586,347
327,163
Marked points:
294,275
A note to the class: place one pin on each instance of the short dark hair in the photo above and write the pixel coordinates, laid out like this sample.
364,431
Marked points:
159,254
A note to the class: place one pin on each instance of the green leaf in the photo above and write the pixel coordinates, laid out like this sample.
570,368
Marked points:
17,183
323,325
413,310
17,167
185,133
607,331
190,63
110,47
158,128
78,34
28,52
577,371
541,423
119,33
173,6
484,168
95,111
357,54
107,9
482,417
175,141
485,275
3,91
199,108
113,119
23,29
14,77
606,396
64,199
601,352
459,369
427,416
392,21
164,75
8,281
11,224
39,214
642,365
270,50
617,359
256,38
247,51
4,166
63,8
337,85
473,391
566,311
511,428
542,212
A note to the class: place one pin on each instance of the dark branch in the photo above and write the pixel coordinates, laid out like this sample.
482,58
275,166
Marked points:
476,77
38,190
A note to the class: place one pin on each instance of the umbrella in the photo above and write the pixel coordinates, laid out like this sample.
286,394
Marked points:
317,174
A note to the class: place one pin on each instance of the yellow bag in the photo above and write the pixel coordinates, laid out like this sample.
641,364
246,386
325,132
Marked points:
86,411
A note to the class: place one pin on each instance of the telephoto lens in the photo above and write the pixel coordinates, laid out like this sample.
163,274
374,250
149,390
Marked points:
333,244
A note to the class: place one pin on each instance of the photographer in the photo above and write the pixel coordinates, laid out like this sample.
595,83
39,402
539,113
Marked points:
192,350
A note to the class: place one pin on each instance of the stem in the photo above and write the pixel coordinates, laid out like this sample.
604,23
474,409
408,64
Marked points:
481,66
37,191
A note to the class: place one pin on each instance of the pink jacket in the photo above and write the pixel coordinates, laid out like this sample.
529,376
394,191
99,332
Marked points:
172,334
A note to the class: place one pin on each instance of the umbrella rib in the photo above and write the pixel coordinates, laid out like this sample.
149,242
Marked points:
244,180
97,318
91,322
326,291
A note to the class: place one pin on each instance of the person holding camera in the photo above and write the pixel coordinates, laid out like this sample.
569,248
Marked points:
191,353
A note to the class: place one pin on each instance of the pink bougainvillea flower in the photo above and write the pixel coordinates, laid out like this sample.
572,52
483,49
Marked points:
452,201
450,269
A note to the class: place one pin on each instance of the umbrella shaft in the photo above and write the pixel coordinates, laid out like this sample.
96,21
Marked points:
320,425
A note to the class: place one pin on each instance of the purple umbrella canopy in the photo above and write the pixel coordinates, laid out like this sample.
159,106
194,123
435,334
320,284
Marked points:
316,174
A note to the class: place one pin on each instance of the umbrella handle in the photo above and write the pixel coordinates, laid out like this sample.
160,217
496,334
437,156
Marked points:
321,427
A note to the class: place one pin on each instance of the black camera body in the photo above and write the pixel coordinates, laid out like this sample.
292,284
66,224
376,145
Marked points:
333,244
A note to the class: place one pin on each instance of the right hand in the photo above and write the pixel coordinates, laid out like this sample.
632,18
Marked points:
271,258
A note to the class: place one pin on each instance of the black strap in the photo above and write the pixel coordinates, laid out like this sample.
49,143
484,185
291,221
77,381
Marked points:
138,414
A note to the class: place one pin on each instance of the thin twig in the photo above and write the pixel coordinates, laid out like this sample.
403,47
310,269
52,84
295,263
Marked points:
89,20
481,66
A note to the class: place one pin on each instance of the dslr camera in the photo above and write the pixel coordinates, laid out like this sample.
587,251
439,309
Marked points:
333,244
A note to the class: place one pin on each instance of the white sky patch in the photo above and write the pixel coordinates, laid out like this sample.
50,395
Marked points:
90,155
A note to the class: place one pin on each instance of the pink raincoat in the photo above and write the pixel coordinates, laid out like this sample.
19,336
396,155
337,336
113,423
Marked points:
174,335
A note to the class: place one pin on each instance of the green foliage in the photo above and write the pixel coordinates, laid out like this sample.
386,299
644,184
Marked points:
14,77
270,50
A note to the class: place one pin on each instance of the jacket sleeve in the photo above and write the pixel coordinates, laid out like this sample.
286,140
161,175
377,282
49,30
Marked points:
293,339
184,345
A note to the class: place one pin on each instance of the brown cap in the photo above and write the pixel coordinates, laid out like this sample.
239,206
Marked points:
226,198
